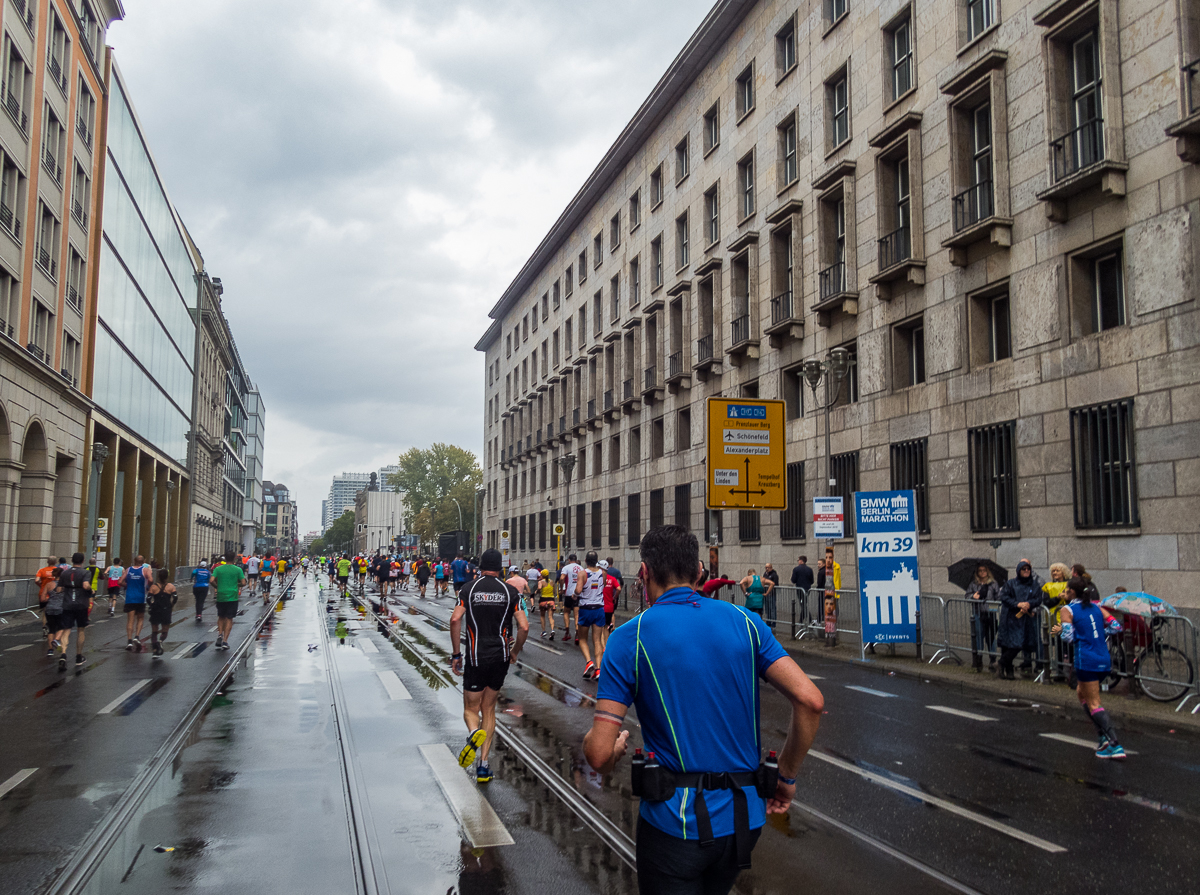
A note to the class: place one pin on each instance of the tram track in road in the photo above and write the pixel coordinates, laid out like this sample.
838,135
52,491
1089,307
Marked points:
95,847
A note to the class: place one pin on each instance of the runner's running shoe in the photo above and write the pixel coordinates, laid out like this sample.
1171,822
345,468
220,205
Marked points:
474,743
1111,751
483,774
587,671
79,660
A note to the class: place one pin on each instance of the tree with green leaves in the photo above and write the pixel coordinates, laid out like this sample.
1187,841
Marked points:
433,479
340,535
317,547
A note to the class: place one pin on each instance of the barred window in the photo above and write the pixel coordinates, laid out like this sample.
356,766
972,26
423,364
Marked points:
791,520
614,522
910,471
748,526
843,469
596,509
712,526
580,525
992,472
541,531
1102,467
634,522
683,506
521,535
656,508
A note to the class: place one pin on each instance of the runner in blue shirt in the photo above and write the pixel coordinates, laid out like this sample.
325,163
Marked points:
1086,625
135,579
458,570
200,577
692,667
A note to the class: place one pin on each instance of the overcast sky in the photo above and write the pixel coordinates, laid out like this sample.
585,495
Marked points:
367,176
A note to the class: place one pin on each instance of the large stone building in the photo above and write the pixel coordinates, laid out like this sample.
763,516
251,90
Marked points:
990,206
378,520
280,532
52,161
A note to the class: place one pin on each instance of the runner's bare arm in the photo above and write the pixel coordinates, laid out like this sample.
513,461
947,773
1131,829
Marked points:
606,742
807,707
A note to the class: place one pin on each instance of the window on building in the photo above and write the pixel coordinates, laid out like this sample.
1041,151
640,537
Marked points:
656,187
908,352
789,168
910,472
596,539
635,282
12,195
992,476
614,522
713,527
785,48
712,128
1102,465
833,276
545,305
683,430
614,454
848,390
656,508
746,185
793,392
683,506
791,520
580,525
54,144
76,278
70,359
991,329
1078,115
749,528
568,284
745,92
542,530
81,196
682,254
1098,289
583,265
837,104
556,294
682,159
712,216
49,236
656,438
598,312
18,86
635,210
614,232
979,17
10,303
633,519
835,11
58,53
598,249
533,316
900,52
843,469
85,113
656,262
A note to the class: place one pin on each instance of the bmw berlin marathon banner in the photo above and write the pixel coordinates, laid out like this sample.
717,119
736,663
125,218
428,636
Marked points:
888,579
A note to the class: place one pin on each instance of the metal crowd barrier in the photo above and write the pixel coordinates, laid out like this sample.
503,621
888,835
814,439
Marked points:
17,594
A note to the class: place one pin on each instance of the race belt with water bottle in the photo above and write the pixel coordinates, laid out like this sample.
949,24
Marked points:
654,783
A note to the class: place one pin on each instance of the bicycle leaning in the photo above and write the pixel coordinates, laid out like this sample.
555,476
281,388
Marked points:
1144,653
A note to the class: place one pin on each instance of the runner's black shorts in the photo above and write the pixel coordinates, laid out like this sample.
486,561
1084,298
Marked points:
608,618
73,617
139,608
490,675
54,622
342,579
227,608
570,602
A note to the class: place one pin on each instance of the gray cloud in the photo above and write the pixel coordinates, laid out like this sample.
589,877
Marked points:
367,176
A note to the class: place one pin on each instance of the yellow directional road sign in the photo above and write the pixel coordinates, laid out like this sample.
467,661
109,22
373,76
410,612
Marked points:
747,462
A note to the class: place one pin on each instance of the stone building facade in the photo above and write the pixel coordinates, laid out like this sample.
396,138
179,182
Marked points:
990,205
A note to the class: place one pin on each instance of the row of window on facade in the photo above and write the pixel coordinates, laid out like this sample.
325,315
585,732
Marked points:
977,121
1102,470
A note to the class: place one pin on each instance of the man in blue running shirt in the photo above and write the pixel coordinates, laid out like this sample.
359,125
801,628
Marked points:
458,571
135,579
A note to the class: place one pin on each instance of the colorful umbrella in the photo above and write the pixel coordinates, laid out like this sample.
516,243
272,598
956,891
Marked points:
1138,603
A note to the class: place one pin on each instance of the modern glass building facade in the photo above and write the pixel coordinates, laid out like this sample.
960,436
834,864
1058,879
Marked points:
145,335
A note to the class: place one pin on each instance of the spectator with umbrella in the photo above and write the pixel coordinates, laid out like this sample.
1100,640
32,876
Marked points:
981,579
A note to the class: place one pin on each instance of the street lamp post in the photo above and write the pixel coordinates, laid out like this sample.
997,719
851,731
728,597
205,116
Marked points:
460,522
834,367
99,456
480,493
567,463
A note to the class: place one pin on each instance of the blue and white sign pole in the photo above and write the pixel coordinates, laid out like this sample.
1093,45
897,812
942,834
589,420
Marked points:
889,581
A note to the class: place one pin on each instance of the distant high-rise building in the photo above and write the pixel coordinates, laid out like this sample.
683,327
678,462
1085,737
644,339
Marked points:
385,477
341,495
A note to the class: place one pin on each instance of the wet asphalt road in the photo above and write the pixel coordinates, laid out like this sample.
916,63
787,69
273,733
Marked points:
86,734
910,783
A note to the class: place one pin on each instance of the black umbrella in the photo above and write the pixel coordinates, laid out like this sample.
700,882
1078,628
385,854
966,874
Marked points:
962,573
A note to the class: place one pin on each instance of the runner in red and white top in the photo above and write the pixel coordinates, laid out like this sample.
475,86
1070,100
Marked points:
568,581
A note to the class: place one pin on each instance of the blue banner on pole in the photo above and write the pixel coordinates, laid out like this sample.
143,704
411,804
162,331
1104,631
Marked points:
889,581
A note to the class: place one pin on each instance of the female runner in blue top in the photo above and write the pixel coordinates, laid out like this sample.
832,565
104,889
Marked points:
1086,625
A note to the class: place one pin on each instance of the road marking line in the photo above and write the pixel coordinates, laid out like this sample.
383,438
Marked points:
391,683
815,677
16,780
960,713
548,649
213,628
184,651
367,646
479,821
13,649
870,691
112,706
1077,741
945,805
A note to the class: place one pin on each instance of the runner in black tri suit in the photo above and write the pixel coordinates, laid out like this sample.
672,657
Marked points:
490,608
